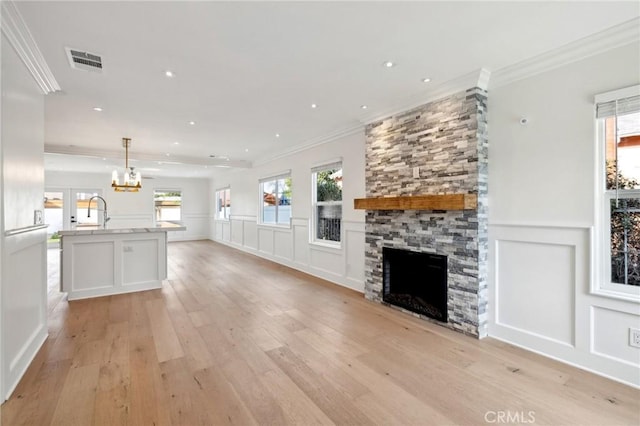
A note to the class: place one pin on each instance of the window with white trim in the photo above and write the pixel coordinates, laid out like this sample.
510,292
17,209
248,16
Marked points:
223,204
275,200
168,204
327,203
618,133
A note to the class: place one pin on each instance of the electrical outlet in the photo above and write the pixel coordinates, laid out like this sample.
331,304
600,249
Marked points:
634,337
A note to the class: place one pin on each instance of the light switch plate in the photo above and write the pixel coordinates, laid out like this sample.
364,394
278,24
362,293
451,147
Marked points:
416,172
37,217
634,337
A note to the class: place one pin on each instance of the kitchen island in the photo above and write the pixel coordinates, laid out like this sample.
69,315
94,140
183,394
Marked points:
101,261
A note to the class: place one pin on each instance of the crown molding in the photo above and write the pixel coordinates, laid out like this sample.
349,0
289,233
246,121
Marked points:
119,155
619,35
311,143
478,78
20,38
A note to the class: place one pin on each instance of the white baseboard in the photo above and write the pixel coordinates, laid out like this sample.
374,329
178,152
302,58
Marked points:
24,360
316,272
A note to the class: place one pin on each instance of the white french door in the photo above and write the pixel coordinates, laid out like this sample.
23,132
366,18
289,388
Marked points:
68,207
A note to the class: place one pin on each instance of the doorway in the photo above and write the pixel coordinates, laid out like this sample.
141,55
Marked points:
66,208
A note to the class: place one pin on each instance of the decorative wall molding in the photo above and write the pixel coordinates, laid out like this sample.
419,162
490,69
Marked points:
619,35
20,283
599,342
284,246
20,38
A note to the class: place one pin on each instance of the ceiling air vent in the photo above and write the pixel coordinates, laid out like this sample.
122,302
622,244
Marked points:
86,61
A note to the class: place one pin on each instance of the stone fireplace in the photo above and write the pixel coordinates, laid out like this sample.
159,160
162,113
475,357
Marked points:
438,148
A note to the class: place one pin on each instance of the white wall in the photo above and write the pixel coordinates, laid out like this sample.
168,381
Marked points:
291,246
137,207
541,217
23,277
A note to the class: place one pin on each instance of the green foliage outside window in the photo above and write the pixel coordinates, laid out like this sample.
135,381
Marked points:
625,230
327,186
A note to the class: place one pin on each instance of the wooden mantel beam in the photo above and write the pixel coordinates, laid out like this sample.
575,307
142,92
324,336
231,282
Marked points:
419,202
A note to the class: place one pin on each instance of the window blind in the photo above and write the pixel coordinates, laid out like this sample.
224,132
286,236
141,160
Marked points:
328,166
281,175
624,106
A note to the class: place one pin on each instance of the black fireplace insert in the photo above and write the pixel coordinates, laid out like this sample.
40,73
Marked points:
415,281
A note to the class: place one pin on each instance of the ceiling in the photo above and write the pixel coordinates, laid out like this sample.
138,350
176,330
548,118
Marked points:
245,72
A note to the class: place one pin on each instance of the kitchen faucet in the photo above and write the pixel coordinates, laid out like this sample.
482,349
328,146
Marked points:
105,217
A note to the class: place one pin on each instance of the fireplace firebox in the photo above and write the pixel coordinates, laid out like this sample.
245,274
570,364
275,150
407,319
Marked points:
415,281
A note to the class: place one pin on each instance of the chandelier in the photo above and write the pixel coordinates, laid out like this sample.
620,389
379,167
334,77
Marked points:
132,181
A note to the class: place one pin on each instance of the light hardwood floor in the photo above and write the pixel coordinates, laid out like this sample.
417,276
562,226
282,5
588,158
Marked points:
234,339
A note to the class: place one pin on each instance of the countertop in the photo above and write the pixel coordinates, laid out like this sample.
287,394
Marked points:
122,229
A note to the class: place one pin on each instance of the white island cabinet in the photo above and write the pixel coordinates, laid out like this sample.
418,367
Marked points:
97,261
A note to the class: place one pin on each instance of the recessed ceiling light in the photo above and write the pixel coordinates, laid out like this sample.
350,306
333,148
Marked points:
246,150
168,155
277,135
168,73
364,106
97,109
192,123
314,106
426,80
389,64
176,143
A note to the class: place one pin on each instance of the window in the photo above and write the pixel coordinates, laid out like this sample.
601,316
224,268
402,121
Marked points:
327,203
618,123
275,206
168,204
223,204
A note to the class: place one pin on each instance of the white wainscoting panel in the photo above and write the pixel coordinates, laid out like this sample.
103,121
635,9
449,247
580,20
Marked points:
539,298
218,234
610,328
265,240
250,234
327,261
301,242
535,289
291,247
85,253
197,228
24,303
282,244
236,231
140,261
354,248
223,230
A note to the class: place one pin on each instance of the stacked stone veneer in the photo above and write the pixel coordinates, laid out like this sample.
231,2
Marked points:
447,140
